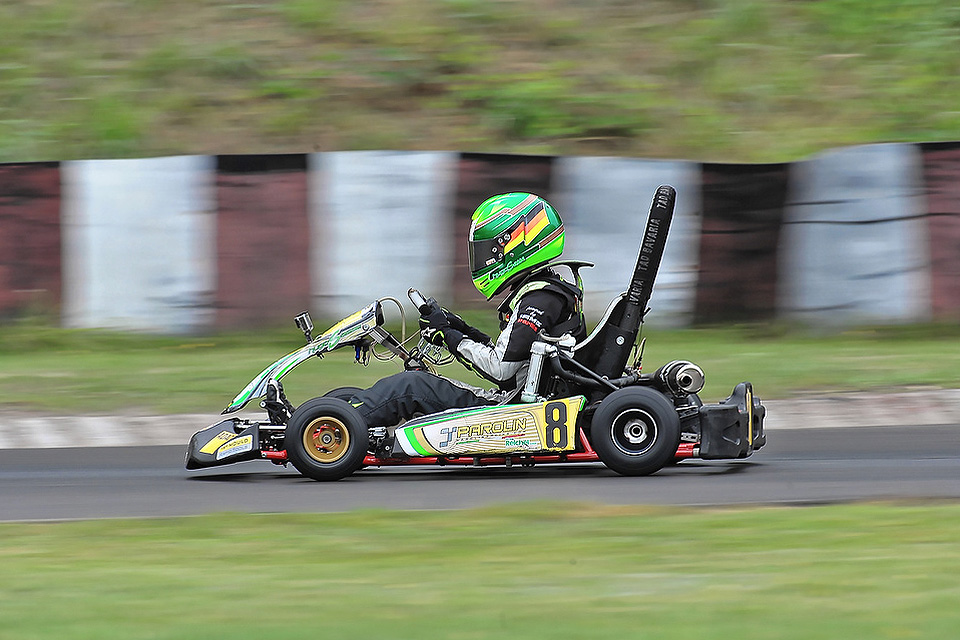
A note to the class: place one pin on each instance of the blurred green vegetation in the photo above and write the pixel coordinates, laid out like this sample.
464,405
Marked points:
539,570
45,368
722,80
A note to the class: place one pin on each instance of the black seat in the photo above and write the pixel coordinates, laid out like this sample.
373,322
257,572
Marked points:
588,352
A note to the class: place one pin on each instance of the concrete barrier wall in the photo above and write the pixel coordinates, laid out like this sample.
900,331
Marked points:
604,203
30,237
138,243
184,244
381,225
263,239
941,177
855,246
743,211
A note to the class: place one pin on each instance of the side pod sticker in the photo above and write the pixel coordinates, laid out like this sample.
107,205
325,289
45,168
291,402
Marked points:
214,443
542,426
235,447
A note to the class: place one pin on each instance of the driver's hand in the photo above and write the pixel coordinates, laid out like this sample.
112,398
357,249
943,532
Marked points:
455,321
432,325
458,323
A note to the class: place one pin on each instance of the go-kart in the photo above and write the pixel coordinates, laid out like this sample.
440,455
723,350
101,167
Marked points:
580,401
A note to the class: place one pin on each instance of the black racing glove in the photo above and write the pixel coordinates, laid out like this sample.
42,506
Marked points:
435,328
457,323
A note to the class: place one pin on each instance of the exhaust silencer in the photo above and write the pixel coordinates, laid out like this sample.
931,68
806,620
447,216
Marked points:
681,377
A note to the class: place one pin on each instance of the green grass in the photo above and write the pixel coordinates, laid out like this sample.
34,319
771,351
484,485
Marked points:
69,370
737,80
522,571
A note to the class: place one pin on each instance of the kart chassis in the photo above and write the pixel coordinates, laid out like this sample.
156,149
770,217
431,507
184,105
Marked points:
579,403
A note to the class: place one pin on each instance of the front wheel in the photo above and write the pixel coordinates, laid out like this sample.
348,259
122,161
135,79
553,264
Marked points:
344,393
635,431
326,439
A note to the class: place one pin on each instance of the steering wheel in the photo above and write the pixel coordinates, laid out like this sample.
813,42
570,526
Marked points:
436,355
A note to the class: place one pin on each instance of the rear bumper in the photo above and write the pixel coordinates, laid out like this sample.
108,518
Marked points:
733,428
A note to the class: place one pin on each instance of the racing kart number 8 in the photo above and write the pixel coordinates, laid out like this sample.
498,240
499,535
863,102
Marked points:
555,418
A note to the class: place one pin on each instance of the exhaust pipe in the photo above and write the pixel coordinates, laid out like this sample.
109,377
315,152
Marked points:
681,377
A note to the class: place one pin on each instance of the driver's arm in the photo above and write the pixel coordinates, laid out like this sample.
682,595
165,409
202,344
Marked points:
499,362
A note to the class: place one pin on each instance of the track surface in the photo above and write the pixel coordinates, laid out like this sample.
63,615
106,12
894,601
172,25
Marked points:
797,466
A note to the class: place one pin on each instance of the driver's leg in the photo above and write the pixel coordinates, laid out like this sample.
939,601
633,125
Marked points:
410,393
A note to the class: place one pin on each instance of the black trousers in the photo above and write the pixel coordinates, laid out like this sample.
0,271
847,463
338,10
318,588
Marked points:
407,394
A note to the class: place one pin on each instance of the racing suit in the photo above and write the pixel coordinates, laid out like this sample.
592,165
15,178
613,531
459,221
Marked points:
541,303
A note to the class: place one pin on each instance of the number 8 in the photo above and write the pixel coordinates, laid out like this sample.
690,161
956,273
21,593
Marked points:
555,415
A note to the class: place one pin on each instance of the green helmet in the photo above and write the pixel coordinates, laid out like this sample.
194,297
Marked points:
510,234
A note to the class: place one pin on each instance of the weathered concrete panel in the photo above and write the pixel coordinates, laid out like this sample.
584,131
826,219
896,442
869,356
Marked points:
381,223
941,170
855,241
743,210
29,237
139,248
480,176
604,203
263,240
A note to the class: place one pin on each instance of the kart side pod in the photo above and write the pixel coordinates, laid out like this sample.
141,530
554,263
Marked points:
503,429
734,427
221,444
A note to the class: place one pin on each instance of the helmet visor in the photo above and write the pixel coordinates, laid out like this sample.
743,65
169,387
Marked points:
484,253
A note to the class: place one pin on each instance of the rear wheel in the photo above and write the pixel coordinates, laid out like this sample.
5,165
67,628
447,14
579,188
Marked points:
635,431
326,439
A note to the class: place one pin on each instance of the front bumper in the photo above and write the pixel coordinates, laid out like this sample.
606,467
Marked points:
225,442
732,428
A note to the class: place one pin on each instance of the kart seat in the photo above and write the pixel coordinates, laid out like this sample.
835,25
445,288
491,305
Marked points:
588,351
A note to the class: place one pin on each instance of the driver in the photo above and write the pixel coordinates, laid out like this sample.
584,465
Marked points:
512,239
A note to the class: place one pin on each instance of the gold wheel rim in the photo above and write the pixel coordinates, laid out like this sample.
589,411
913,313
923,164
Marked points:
326,440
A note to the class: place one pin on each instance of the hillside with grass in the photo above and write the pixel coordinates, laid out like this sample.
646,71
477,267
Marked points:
733,81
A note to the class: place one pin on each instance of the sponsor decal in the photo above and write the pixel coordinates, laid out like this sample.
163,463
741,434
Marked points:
533,326
495,428
548,426
235,447
447,433
647,246
504,268
214,443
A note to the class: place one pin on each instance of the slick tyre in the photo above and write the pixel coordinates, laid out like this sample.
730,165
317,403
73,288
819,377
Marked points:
326,439
344,393
635,431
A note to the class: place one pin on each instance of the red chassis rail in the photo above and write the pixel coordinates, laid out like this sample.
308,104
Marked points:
685,450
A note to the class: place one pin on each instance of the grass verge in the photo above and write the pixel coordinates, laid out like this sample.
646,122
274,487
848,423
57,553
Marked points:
58,370
740,80
523,571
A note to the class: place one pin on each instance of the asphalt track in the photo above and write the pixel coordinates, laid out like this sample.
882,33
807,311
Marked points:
801,466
